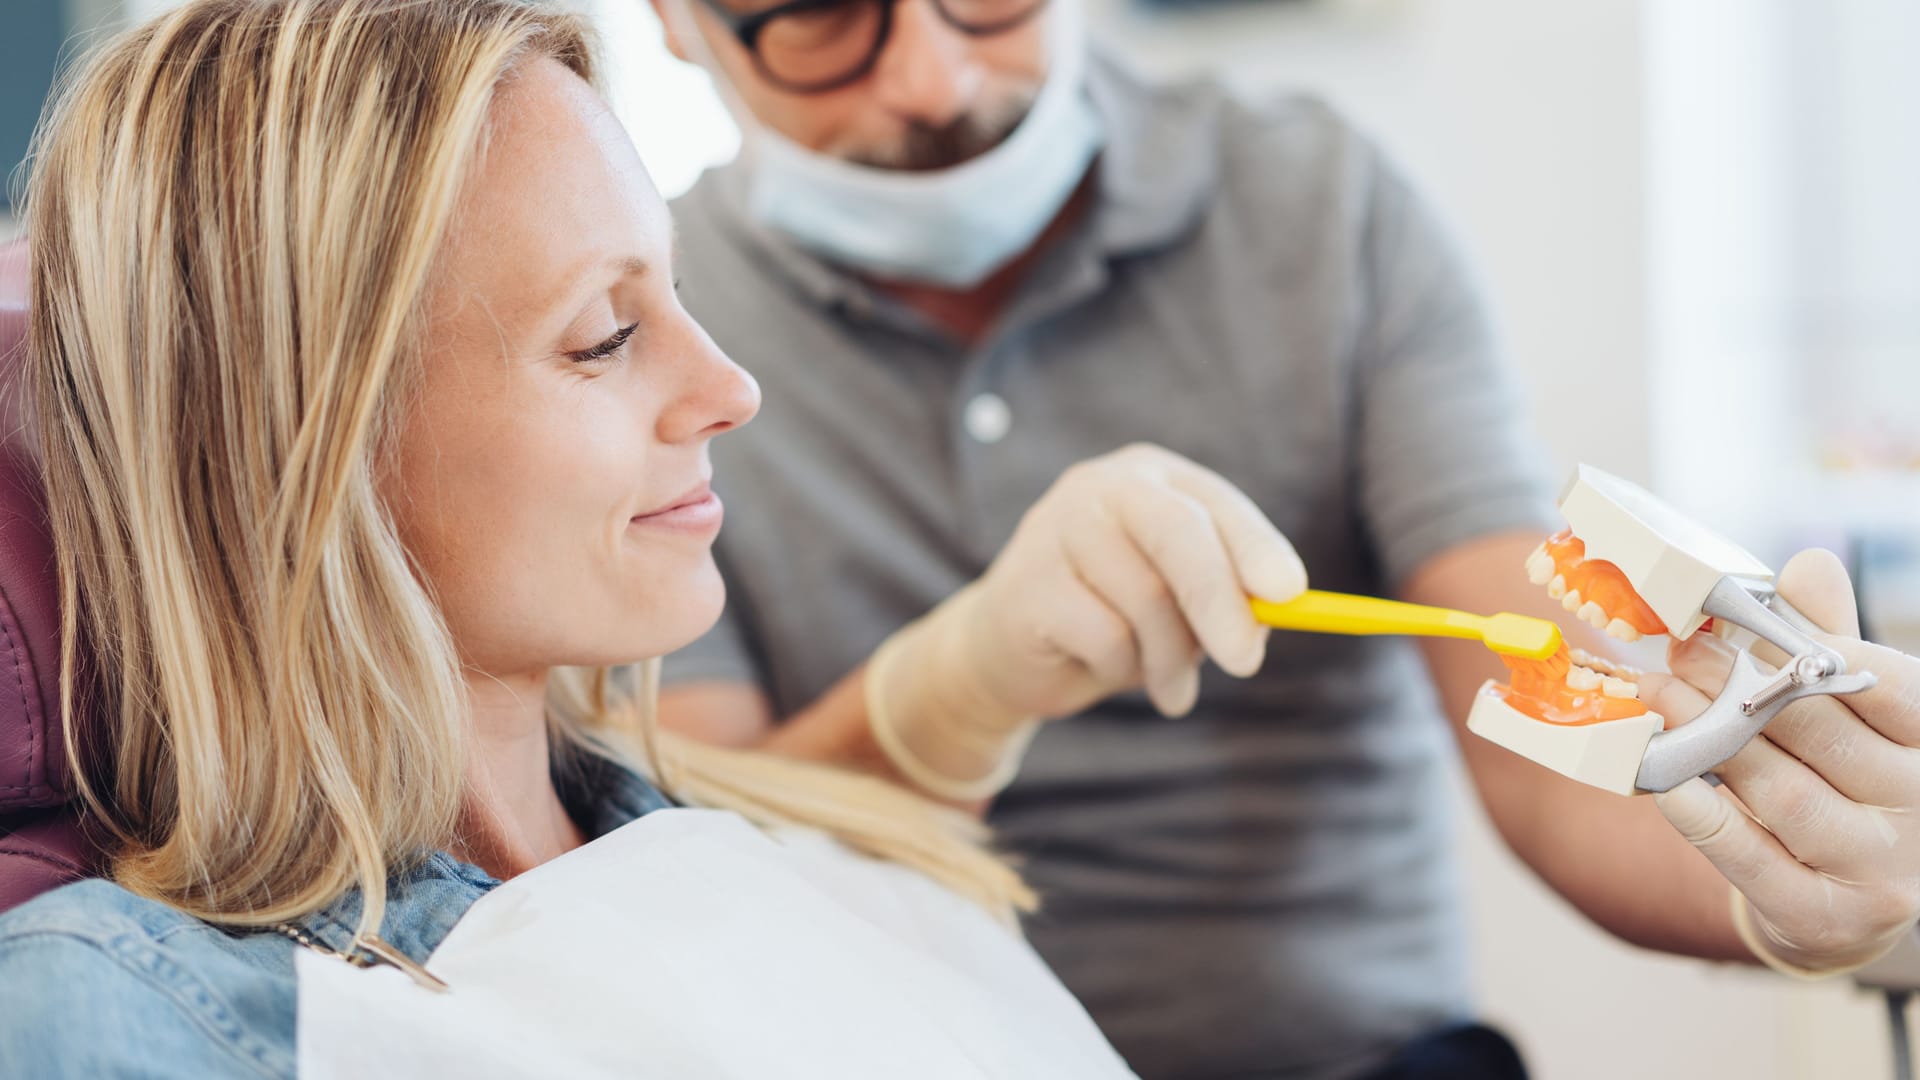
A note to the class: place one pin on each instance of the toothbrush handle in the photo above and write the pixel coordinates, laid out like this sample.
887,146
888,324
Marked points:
1340,613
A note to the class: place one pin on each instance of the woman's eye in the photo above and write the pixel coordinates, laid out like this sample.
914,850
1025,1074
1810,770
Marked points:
606,348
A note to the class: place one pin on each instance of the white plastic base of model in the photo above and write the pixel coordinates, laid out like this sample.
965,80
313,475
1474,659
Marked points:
1605,755
1672,561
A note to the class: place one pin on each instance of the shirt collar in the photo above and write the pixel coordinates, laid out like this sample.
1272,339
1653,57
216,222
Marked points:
425,899
1155,177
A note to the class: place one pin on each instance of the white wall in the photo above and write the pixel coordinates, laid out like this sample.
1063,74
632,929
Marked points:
1786,292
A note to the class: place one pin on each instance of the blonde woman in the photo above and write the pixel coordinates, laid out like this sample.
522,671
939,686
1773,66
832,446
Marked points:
374,435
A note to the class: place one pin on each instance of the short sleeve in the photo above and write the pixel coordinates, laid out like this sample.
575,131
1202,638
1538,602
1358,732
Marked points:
1445,452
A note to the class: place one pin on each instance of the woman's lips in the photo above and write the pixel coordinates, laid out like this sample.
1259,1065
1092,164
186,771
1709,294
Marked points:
698,511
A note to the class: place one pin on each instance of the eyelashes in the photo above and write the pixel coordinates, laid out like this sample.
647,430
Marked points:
606,348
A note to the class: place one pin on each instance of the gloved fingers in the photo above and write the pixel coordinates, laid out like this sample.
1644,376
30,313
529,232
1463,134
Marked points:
1266,562
1822,731
1108,562
1806,918
1746,854
1078,624
1178,537
1820,826
1891,707
1858,761
1816,583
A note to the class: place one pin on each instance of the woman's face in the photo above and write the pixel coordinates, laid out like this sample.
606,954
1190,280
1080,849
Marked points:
550,477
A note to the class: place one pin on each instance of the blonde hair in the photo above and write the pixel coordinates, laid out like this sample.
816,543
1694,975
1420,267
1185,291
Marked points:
234,215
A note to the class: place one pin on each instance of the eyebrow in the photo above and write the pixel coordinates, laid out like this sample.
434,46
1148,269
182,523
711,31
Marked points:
569,295
623,265
627,265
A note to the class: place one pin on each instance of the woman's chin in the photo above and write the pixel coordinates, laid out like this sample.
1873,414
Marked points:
670,621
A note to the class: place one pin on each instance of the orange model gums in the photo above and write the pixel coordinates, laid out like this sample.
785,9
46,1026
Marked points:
1593,589
1573,687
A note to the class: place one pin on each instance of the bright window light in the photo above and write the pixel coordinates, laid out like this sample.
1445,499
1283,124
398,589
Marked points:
670,108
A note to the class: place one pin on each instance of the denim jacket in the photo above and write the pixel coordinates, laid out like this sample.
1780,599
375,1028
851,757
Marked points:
96,982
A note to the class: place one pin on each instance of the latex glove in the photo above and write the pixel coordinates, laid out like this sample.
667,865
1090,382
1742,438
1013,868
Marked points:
1826,858
1128,572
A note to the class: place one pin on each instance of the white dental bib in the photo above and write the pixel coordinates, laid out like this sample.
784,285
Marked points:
690,945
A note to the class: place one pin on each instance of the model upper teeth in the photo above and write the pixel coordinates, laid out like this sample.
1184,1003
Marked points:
1623,630
1540,569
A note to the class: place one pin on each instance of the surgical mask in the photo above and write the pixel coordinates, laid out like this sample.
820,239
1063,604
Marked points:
951,227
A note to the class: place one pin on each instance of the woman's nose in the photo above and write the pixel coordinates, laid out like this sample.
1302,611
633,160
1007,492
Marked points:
714,394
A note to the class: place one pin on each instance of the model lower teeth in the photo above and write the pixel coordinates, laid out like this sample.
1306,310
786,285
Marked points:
1576,687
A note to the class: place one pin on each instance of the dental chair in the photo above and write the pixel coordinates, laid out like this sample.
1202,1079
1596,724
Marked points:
42,845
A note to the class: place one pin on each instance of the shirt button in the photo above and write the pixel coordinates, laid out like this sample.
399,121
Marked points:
988,418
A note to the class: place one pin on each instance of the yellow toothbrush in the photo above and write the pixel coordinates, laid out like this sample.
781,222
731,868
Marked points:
1340,613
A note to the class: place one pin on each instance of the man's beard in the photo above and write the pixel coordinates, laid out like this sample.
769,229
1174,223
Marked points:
925,148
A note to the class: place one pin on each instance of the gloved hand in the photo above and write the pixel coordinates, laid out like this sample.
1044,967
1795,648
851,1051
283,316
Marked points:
1826,859
1129,571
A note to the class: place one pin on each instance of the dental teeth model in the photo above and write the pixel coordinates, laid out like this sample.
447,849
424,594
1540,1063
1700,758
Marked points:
1632,566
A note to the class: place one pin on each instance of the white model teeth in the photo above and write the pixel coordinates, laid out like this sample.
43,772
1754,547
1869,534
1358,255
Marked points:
1540,568
1606,667
1580,678
1618,688
1572,600
1622,630
1591,614
1557,588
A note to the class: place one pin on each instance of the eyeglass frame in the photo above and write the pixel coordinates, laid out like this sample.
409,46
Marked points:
747,29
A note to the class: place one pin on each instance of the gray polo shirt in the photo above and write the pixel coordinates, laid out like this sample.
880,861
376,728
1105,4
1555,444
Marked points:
1266,887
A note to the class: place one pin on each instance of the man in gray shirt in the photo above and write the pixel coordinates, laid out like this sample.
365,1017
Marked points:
1265,886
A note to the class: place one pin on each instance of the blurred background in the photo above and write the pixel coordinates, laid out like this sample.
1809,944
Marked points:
1697,222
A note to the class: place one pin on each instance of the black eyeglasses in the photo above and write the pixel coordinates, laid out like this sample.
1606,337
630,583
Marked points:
812,46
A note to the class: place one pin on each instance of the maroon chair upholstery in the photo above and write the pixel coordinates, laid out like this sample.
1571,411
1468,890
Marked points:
41,844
